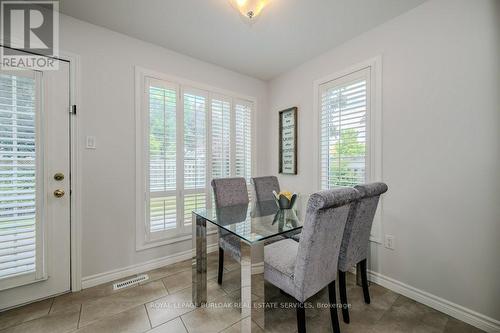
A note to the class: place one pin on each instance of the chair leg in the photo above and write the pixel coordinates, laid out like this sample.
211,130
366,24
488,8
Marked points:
221,265
333,307
343,297
301,318
364,281
284,293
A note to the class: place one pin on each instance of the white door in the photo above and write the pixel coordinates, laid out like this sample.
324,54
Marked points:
34,198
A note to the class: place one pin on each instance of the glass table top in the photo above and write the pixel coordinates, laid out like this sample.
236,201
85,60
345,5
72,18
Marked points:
257,221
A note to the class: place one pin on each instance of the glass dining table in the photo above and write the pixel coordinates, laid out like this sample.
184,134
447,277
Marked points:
253,224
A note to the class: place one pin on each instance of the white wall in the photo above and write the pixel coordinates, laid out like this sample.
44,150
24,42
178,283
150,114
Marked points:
107,112
441,144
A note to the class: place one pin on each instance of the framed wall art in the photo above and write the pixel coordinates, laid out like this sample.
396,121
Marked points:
288,141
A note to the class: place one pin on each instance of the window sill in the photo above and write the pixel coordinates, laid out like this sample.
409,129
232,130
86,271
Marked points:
162,242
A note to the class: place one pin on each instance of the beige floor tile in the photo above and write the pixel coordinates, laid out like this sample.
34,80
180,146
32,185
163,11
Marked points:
243,326
60,322
178,281
322,323
76,299
381,300
100,309
107,306
130,321
396,326
183,280
406,315
165,271
217,315
173,326
456,326
275,315
170,307
280,319
176,304
25,313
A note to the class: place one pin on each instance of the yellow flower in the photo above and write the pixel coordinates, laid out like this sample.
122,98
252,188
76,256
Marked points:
288,195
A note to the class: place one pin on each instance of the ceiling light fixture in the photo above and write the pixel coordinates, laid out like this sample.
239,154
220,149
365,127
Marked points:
249,8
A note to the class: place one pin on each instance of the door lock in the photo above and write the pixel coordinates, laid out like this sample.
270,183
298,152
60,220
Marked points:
59,176
58,193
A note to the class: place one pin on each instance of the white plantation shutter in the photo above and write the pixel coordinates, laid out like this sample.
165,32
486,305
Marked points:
221,137
18,170
162,101
193,136
344,107
195,151
243,139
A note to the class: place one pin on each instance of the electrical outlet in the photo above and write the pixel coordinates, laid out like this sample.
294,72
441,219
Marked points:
90,142
389,242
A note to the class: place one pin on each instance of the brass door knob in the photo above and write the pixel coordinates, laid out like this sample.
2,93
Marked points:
58,193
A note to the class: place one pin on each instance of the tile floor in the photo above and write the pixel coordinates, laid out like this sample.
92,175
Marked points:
162,304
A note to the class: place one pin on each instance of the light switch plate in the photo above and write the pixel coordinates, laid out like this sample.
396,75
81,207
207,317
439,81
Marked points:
90,142
389,242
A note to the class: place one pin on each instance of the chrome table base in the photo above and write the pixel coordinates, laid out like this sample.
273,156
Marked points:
199,274
199,264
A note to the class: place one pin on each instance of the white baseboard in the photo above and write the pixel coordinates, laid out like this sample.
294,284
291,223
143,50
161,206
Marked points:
459,312
120,273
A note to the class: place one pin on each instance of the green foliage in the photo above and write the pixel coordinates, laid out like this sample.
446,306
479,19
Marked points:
161,130
348,148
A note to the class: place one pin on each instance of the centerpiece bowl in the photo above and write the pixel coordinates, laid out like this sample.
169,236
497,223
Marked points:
285,200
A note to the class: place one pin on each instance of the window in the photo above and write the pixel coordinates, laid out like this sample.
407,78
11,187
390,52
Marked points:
162,106
186,136
221,137
349,122
243,160
344,107
195,153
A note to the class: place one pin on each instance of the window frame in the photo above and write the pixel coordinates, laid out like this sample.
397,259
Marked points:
373,128
144,238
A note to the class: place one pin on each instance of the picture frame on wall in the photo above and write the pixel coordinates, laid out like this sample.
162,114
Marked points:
288,141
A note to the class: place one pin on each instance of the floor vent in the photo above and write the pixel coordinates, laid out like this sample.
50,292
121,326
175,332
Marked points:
130,282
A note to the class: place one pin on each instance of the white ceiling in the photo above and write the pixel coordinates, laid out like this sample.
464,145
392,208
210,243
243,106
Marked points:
286,34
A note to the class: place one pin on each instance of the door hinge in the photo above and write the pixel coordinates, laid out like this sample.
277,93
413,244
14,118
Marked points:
72,109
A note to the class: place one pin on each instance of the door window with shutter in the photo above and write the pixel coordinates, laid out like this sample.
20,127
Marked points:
20,222
187,136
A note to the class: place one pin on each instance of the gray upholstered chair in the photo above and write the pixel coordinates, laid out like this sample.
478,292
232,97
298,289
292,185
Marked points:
355,242
229,192
302,269
264,187
232,192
